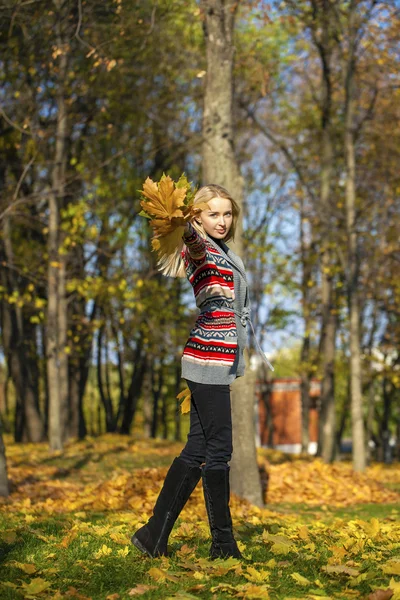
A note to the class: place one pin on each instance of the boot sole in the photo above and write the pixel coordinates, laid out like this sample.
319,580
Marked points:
140,546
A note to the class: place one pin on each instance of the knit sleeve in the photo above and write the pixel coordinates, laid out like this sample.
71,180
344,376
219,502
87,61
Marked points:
195,244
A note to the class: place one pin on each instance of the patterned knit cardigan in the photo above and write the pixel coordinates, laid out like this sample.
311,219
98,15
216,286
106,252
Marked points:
210,353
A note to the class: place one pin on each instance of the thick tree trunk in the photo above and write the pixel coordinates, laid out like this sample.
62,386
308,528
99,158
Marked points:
220,167
358,433
57,359
327,437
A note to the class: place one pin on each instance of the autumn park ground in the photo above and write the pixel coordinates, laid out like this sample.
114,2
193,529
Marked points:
65,530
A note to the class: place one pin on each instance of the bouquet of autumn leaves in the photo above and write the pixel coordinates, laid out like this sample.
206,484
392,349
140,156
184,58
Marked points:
169,206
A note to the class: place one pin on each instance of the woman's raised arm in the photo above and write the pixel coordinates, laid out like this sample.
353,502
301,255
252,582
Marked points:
195,243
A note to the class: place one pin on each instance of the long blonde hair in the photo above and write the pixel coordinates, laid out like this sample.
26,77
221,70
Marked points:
173,265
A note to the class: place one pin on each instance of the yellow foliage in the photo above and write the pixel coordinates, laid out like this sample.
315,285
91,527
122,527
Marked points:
169,208
104,551
314,482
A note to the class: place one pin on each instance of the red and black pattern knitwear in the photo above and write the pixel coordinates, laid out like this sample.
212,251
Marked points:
213,352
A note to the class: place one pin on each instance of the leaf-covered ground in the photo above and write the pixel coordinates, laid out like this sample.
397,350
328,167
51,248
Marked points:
65,531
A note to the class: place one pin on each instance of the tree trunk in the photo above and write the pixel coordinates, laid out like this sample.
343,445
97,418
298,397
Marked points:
17,334
178,429
327,419
104,389
164,415
78,373
384,429
343,420
4,489
62,321
370,420
135,387
156,382
306,345
327,346
57,359
358,434
220,167
147,403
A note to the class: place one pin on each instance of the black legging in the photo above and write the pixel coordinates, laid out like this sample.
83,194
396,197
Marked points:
210,437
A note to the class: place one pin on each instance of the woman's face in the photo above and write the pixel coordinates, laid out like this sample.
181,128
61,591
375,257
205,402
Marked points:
218,220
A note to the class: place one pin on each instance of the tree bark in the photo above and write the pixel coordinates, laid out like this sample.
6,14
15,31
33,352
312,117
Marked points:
4,488
322,36
16,334
104,389
220,166
156,384
305,356
177,420
135,387
358,433
57,359
147,402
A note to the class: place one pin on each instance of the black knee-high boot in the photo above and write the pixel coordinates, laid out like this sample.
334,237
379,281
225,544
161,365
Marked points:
179,483
216,494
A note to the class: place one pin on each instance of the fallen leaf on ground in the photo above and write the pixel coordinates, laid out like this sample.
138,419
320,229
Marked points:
141,588
380,595
339,569
300,579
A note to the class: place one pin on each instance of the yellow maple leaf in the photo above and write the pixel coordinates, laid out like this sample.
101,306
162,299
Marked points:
300,579
339,569
163,199
395,586
256,576
35,586
251,591
161,575
26,568
392,567
184,396
166,205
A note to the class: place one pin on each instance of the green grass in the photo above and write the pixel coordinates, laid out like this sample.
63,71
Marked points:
63,547
74,566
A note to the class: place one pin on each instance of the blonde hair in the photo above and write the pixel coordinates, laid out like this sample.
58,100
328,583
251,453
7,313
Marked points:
173,265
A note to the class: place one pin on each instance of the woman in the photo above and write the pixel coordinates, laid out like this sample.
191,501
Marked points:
212,358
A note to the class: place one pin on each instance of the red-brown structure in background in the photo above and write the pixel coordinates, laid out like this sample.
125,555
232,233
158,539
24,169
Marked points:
279,413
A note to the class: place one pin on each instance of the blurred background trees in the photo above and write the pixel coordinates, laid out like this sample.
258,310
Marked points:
96,96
